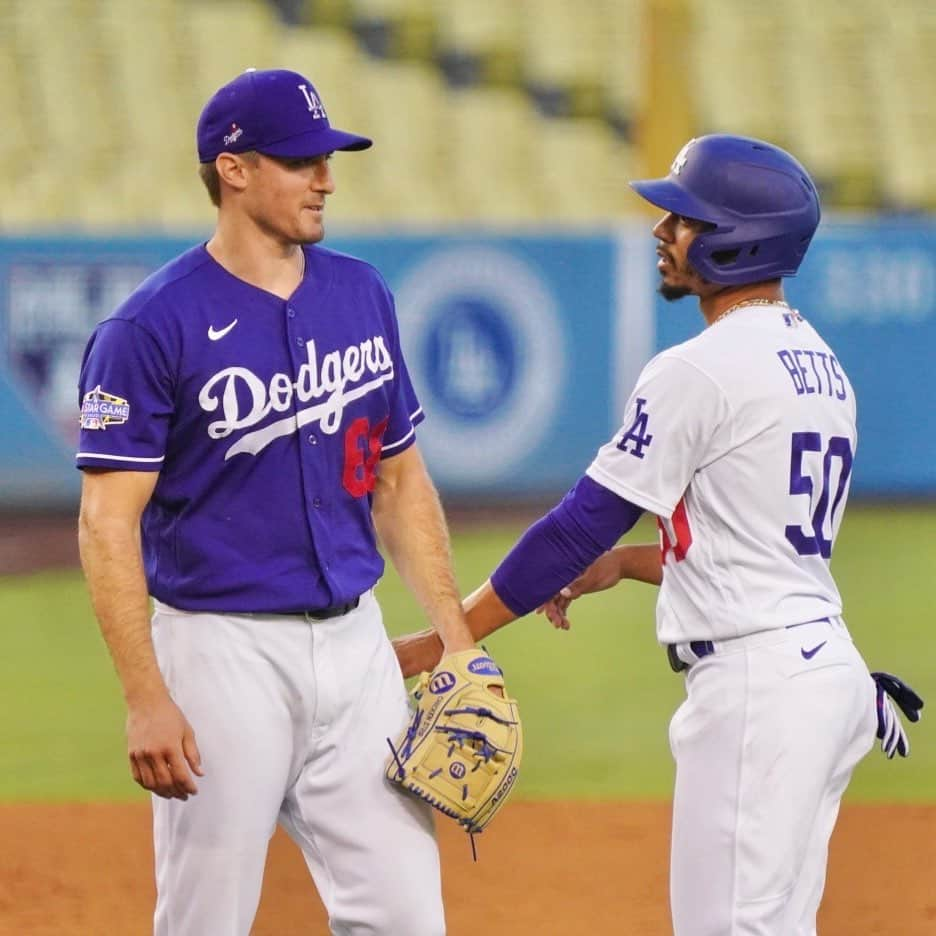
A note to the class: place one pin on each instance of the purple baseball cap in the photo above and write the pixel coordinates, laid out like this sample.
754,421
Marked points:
275,112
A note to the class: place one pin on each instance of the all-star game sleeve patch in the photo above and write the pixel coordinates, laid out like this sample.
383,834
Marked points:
100,409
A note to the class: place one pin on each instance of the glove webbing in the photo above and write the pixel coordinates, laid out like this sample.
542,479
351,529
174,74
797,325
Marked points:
407,747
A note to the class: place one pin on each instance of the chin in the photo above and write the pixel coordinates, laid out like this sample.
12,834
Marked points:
313,236
672,293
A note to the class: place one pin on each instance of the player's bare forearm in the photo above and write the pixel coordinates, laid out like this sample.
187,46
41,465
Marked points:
640,562
109,545
160,743
485,613
411,525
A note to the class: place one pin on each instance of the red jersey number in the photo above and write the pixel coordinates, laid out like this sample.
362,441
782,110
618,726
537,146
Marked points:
362,447
680,524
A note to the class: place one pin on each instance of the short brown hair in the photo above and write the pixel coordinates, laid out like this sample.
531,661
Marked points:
208,173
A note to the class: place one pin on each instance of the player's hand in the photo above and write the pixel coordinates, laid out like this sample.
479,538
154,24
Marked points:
603,573
419,652
162,749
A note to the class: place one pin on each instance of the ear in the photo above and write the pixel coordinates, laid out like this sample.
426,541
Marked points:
233,170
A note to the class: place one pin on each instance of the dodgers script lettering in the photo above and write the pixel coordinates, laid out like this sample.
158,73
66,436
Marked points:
329,384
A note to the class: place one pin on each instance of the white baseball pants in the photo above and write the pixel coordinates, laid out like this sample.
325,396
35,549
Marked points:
765,745
291,718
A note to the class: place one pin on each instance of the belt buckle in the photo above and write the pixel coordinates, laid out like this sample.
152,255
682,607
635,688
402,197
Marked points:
677,665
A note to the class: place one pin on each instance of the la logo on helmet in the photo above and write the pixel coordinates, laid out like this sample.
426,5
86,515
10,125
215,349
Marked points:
682,157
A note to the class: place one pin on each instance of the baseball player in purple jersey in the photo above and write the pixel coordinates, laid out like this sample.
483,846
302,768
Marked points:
741,442
247,433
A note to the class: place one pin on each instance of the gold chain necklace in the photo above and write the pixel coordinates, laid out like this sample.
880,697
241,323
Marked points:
750,302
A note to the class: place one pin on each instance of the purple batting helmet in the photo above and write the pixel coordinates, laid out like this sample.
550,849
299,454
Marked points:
761,201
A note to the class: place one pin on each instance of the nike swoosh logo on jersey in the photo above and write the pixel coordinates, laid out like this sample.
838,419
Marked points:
809,654
217,335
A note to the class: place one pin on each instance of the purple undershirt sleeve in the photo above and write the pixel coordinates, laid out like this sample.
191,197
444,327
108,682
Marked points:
556,549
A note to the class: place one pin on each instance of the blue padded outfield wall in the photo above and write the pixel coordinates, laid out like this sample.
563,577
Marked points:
523,348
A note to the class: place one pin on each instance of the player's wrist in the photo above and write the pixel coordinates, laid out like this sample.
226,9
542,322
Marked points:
457,642
145,693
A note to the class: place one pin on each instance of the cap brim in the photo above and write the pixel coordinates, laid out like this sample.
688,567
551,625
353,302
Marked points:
316,143
666,194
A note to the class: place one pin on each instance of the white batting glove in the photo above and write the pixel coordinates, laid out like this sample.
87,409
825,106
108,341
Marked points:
890,731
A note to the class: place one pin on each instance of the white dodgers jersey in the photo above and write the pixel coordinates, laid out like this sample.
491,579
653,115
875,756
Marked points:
741,441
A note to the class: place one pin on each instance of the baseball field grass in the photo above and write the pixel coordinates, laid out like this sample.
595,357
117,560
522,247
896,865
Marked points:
596,700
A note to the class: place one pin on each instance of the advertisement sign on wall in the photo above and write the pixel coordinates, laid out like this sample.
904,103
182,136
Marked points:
523,349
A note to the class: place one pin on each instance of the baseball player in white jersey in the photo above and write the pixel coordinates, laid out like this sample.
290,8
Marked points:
248,410
741,441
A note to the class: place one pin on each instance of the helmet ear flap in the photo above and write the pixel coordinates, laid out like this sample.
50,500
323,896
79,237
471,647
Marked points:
733,261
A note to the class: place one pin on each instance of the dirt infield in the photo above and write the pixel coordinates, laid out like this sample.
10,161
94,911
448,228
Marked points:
30,542
551,869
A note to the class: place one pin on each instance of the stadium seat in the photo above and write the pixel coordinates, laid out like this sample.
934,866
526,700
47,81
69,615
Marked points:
904,76
583,168
405,109
622,64
70,93
479,40
325,13
227,37
830,119
493,140
403,29
16,151
478,107
562,58
737,69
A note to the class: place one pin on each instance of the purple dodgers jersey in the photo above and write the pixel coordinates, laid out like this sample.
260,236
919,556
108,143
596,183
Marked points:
265,419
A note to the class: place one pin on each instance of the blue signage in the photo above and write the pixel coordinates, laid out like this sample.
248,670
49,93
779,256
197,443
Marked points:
522,348
509,341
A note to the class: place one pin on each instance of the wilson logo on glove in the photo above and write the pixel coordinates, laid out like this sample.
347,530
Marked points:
441,683
461,752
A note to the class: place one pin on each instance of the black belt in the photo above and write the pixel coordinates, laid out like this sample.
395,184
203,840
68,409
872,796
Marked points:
704,648
701,648
323,614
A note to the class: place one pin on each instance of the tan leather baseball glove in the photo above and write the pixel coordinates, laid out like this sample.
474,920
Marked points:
461,752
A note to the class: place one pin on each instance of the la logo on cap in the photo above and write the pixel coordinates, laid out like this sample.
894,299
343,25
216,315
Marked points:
315,105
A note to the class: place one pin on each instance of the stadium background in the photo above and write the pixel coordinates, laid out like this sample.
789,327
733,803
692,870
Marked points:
495,202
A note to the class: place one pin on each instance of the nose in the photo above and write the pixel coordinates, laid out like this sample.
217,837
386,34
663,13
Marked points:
663,229
323,180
